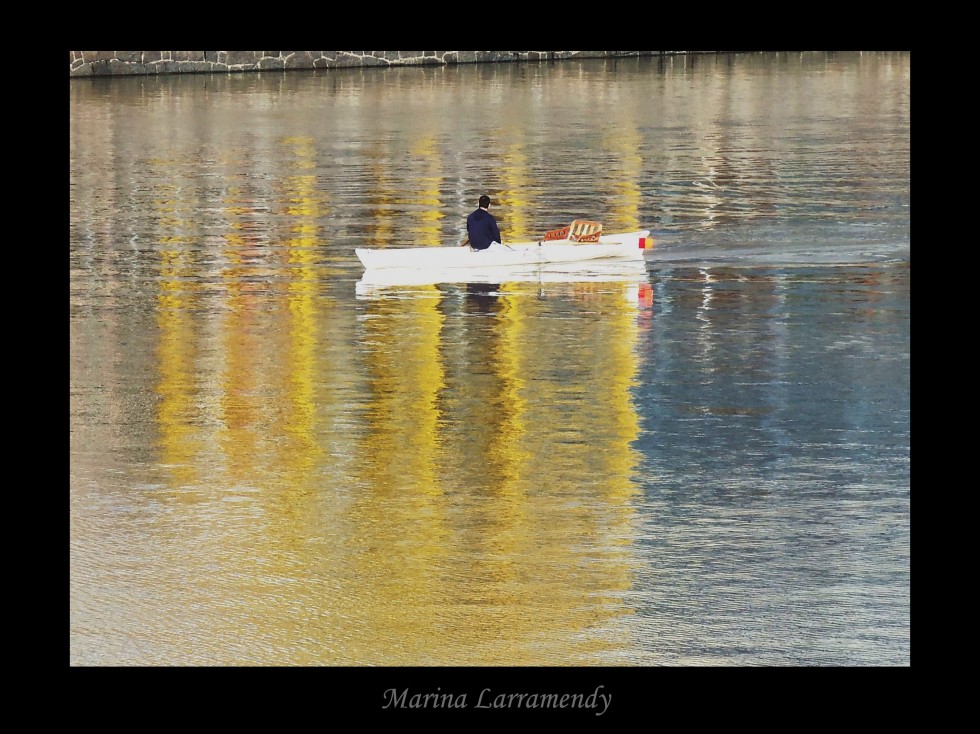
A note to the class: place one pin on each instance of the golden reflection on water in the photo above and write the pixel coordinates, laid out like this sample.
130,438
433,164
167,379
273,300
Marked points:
238,431
499,498
486,518
303,204
428,206
487,523
440,475
513,200
624,178
399,512
469,503
176,351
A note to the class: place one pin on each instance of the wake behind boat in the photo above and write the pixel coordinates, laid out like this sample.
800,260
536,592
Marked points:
581,241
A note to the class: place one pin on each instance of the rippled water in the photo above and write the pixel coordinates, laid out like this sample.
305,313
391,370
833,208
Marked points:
707,463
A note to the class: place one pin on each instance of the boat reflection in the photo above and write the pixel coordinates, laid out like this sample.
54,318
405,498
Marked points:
483,297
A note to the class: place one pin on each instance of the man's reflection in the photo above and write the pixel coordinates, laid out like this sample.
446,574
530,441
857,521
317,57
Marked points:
483,297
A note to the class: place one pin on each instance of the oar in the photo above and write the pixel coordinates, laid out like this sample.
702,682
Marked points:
465,242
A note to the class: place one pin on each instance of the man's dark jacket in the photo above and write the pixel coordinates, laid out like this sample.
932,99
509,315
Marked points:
482,229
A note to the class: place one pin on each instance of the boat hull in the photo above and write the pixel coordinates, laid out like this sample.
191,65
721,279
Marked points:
624,246
607,270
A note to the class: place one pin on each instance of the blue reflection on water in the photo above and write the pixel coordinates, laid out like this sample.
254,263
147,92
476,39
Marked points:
775,409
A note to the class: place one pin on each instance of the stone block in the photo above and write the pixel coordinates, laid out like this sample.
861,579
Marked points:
299,60
239,58
100,67
270,63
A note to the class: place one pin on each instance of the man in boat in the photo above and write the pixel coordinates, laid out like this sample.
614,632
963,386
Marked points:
482,227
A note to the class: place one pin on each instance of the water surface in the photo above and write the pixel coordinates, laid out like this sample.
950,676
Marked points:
274,463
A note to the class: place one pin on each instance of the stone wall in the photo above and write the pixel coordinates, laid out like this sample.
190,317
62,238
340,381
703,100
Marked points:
109,63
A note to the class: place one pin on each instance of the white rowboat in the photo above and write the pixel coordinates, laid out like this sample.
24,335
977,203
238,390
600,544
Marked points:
625,246
591,271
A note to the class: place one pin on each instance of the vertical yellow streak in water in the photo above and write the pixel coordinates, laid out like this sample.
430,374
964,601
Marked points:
623,335
407,374
400,515
510,367
625,175
507,455
619,358
511,353
625,142
240,407
508,459
381,199
176,351
302,202
620,460
399,539
430,377
175,359
426,225
514,203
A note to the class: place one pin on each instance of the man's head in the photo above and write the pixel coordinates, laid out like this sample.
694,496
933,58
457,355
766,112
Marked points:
484,201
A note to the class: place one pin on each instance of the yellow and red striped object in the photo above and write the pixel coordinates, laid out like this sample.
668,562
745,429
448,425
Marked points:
646,243
580,230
